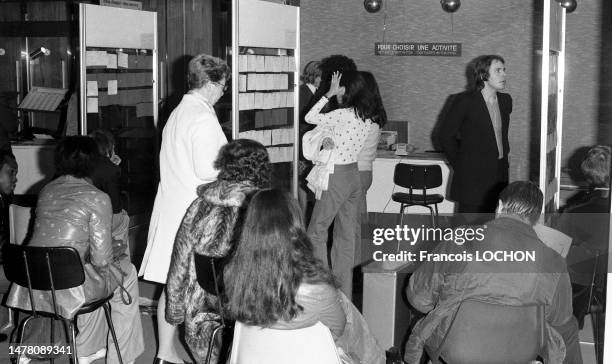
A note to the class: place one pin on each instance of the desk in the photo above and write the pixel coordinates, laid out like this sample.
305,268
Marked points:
379,194
384,305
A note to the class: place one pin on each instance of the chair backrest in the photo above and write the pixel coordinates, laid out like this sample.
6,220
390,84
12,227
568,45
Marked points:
417,176
209,272
257,345
35,266
489,333
20,220
43,268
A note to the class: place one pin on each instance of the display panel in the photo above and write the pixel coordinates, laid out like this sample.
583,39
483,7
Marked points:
119,92
264,83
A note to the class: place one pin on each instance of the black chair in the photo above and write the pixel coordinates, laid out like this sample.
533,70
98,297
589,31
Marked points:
591,299
491,333
209,272
414,177
52,269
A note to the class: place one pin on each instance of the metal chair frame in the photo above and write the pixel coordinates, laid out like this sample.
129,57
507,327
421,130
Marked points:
433,180
457,339
68,274
206,267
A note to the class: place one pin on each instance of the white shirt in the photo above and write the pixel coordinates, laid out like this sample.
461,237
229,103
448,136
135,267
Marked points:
350,131
311,87
493,107
368,152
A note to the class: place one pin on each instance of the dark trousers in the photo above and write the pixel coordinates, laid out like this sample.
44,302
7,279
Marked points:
472,214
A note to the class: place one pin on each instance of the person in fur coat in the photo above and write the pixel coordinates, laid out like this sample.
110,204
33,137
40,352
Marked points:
209,228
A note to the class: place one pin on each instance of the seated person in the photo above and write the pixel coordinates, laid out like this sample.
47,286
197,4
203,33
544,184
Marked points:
72,212
438,288
8,180
588,223
208,228
105,176
106,171
273,280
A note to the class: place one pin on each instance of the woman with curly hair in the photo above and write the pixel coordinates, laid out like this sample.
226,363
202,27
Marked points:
274,280
208,228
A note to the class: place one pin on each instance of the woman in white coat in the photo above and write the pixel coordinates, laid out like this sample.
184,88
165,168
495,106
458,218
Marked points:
191,141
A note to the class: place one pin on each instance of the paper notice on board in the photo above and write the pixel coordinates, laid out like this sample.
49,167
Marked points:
92,88
122,60
290,102
92,105
260,64
242,84
112,61
96,58
243,64
112,87
291,64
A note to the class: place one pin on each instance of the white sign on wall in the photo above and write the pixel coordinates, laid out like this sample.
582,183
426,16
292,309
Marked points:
127,4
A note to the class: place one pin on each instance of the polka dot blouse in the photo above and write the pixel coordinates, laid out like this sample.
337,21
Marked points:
350,131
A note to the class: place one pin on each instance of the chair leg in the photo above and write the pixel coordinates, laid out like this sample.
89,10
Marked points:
109,320
431,213
212,342
72,339
436,208
402,207
20,332
52,325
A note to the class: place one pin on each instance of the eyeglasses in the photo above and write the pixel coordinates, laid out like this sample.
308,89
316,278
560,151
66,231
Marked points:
225,86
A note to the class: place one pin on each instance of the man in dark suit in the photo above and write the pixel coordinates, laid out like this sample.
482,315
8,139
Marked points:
474,136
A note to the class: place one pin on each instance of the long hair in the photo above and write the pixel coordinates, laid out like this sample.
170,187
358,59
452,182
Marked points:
482,65
272,258
333,63
357,96
380,115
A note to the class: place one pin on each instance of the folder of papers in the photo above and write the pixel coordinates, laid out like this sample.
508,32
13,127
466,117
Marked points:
554,239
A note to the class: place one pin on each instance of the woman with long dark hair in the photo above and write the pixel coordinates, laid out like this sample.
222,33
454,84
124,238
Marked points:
274,280
340,202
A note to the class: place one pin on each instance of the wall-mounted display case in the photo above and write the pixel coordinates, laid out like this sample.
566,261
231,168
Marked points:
265,75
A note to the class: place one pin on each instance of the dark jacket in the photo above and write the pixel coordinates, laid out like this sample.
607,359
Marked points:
468,139
209,228
105,177
305,98
588,223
